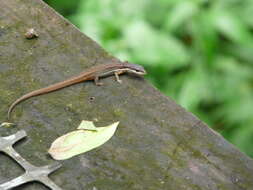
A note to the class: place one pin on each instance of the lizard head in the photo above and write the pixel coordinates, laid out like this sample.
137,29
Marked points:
135,69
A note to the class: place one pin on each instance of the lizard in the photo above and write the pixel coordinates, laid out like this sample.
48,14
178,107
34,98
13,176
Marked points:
93,73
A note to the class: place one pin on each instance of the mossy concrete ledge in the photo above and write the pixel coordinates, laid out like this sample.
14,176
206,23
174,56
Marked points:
158,145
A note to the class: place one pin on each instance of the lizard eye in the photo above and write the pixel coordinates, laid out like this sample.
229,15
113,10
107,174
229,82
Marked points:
140,72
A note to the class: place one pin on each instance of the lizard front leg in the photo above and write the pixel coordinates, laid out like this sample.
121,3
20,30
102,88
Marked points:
116,74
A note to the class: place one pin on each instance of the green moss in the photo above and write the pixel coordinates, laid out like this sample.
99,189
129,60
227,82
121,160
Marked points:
118,113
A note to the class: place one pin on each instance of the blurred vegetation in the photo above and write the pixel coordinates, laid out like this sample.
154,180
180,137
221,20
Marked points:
198,52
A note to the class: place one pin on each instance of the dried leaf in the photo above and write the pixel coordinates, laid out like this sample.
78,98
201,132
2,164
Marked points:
7,124
88,125
82,140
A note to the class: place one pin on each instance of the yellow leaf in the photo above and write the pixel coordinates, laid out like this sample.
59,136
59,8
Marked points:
81,140
88,125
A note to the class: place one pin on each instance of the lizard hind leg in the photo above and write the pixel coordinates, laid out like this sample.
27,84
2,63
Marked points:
96,80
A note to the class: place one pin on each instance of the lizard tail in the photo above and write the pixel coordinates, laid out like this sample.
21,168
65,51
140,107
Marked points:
46,90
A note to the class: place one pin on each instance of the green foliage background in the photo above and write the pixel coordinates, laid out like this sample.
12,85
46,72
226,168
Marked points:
198,52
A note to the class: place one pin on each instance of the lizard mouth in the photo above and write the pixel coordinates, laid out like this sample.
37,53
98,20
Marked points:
142,73
139,72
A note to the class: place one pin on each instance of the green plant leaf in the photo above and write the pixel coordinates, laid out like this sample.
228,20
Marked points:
180,14
233,27
162,48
